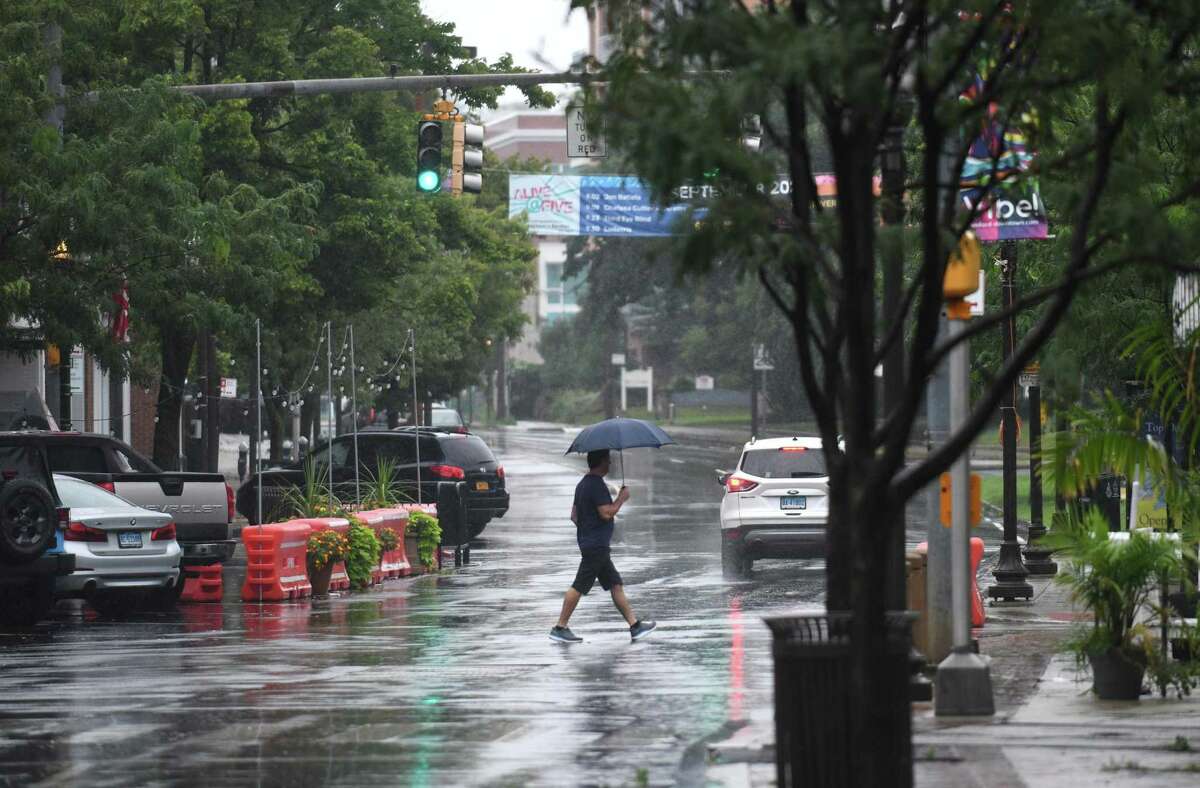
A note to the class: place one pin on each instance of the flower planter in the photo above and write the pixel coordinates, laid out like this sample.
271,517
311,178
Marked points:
319,578
1117,674
412,550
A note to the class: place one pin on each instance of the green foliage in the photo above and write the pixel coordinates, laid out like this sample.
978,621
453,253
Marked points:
574,406
429,537
1111,579
325,547
382,488
364,554
312,498
388,539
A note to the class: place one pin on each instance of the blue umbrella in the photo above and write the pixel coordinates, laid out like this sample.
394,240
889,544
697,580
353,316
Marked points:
620,434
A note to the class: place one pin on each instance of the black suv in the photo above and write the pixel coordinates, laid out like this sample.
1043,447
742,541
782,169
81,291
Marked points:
445,456
30,551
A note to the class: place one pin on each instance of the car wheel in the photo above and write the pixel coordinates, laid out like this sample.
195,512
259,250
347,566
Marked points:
476,529
165,599
28,520
735,565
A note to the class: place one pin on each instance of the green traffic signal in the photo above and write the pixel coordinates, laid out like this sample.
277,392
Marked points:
429,156
428,181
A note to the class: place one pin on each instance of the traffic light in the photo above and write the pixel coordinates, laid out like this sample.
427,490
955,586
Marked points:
429,156
466,164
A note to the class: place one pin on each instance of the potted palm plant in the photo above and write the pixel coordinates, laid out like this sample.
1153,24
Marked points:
1113,581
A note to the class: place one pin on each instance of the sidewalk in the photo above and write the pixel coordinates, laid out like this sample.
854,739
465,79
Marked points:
1049,730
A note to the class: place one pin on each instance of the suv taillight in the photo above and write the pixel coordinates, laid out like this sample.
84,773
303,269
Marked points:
500,471
230,503
109,486
737,484
78,532
166,533
64,518
448,471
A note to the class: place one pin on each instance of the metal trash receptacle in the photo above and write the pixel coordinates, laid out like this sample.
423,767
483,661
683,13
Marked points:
813,723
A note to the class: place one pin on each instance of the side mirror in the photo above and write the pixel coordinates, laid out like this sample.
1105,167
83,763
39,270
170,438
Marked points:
722,476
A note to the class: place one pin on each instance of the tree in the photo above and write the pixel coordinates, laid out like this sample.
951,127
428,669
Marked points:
835,79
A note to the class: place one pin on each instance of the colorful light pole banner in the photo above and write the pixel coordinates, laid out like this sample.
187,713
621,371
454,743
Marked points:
1012,209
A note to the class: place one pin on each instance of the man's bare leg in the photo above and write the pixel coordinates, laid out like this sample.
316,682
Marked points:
570,600
618,597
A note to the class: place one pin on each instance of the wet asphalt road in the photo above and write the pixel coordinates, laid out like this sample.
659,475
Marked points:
440,680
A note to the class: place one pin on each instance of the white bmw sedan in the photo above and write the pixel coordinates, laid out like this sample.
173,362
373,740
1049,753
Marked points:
125,556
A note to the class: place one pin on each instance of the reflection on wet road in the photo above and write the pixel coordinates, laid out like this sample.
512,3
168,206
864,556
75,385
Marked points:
442,680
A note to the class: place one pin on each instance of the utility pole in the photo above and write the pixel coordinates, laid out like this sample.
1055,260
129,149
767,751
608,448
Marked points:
501,379
1010,571
54,117
963,686
892,167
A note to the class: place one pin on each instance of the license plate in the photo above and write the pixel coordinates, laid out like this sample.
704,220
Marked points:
481,486
129,539
793,502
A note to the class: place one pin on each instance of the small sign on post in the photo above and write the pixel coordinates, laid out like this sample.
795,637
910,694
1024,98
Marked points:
581,144
228,388
705,383
1030,376
618,359
762,361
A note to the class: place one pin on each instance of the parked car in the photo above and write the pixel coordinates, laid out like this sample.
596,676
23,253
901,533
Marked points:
447,418
444,456
126,556
201,504
31,552
776,503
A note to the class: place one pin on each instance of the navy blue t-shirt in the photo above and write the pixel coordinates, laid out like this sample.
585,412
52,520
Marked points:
592,530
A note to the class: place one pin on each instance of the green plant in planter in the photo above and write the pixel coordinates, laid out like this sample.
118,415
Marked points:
382,487
364,554
388,539
1112,580
429,536
311,499
326,547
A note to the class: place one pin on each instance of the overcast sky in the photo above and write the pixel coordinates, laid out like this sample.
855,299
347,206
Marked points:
537,33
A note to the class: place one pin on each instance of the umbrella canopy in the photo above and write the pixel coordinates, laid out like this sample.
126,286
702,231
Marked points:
619,434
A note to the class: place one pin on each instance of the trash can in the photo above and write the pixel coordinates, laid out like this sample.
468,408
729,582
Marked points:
1105,496
452,517
813,745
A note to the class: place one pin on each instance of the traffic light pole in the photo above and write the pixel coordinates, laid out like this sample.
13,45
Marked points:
315,87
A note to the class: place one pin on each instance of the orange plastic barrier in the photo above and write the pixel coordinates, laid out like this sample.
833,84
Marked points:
340,581
978,616
275,568
393,563
202,583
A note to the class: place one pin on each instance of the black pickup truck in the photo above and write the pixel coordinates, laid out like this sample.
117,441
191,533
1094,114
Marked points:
31,554
200,503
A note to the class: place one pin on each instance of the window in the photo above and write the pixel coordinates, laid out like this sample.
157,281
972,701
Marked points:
128,462
467,450
78,494
76,459
784,464
554,277
341,454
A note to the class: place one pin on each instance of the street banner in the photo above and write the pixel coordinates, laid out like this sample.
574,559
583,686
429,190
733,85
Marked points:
602,205
621,205
1000,158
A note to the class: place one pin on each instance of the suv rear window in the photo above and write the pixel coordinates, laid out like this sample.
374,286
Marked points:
784,463
466,450
76,459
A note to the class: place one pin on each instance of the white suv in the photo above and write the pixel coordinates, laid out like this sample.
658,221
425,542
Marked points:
776,503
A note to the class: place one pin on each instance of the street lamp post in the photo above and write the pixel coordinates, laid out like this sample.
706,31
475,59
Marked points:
1037,557
1010,572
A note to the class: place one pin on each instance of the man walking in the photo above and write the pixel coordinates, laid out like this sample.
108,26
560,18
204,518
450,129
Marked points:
593,514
